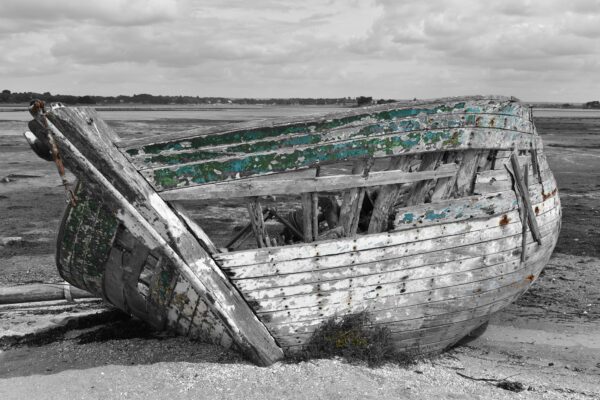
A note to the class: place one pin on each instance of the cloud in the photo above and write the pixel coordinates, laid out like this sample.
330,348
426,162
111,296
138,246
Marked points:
384,48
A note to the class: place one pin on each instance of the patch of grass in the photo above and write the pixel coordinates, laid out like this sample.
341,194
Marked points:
354,339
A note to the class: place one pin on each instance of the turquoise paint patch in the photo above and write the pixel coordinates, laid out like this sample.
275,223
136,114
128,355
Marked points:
408,218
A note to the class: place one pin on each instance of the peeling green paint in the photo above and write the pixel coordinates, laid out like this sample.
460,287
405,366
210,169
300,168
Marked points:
214,171
234,137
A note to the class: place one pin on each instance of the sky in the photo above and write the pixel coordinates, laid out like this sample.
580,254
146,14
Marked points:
536,50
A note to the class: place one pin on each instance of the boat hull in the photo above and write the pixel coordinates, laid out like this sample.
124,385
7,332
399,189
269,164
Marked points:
464,214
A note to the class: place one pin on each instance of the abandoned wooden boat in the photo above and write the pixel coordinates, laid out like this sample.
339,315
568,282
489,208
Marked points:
429,216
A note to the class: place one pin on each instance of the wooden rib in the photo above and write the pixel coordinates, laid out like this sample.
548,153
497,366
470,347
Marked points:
524,192
315,209
386,197
466,173
349,211
258,225
138,204
429,162
523,221
298,185
444,186
307,229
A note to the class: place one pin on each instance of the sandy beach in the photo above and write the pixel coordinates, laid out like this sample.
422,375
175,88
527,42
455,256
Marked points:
548,341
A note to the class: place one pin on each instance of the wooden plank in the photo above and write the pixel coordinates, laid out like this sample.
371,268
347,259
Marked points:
295,185
333,247
271,128
524,192
418,314
473,207
387,195
203,148
391,269
138,204
290,159
420,249
390,284
372,302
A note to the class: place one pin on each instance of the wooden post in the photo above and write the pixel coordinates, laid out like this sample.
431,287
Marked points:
84,138
524,192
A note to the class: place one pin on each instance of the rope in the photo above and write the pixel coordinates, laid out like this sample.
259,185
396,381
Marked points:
38,111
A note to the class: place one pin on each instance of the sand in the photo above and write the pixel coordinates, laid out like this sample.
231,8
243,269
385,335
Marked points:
549,340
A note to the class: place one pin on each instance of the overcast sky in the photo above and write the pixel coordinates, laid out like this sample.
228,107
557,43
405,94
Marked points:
537,50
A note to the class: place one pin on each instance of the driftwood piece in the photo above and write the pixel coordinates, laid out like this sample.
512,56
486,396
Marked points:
79,132
40,292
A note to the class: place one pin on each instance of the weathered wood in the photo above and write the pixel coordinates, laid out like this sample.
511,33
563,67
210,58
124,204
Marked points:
338,305
198,232
287,224
466,173
386,197
307,221
371,286
258,224
350,203
480,206
523,217
295,185
429,162
386,276
445,186
138,204
494,105
39,292
433,240
315,209
290,159
524,192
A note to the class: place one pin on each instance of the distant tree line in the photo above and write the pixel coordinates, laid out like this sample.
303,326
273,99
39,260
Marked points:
592,104
9,97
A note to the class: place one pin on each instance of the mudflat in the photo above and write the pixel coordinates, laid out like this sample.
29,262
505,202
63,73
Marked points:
549,340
